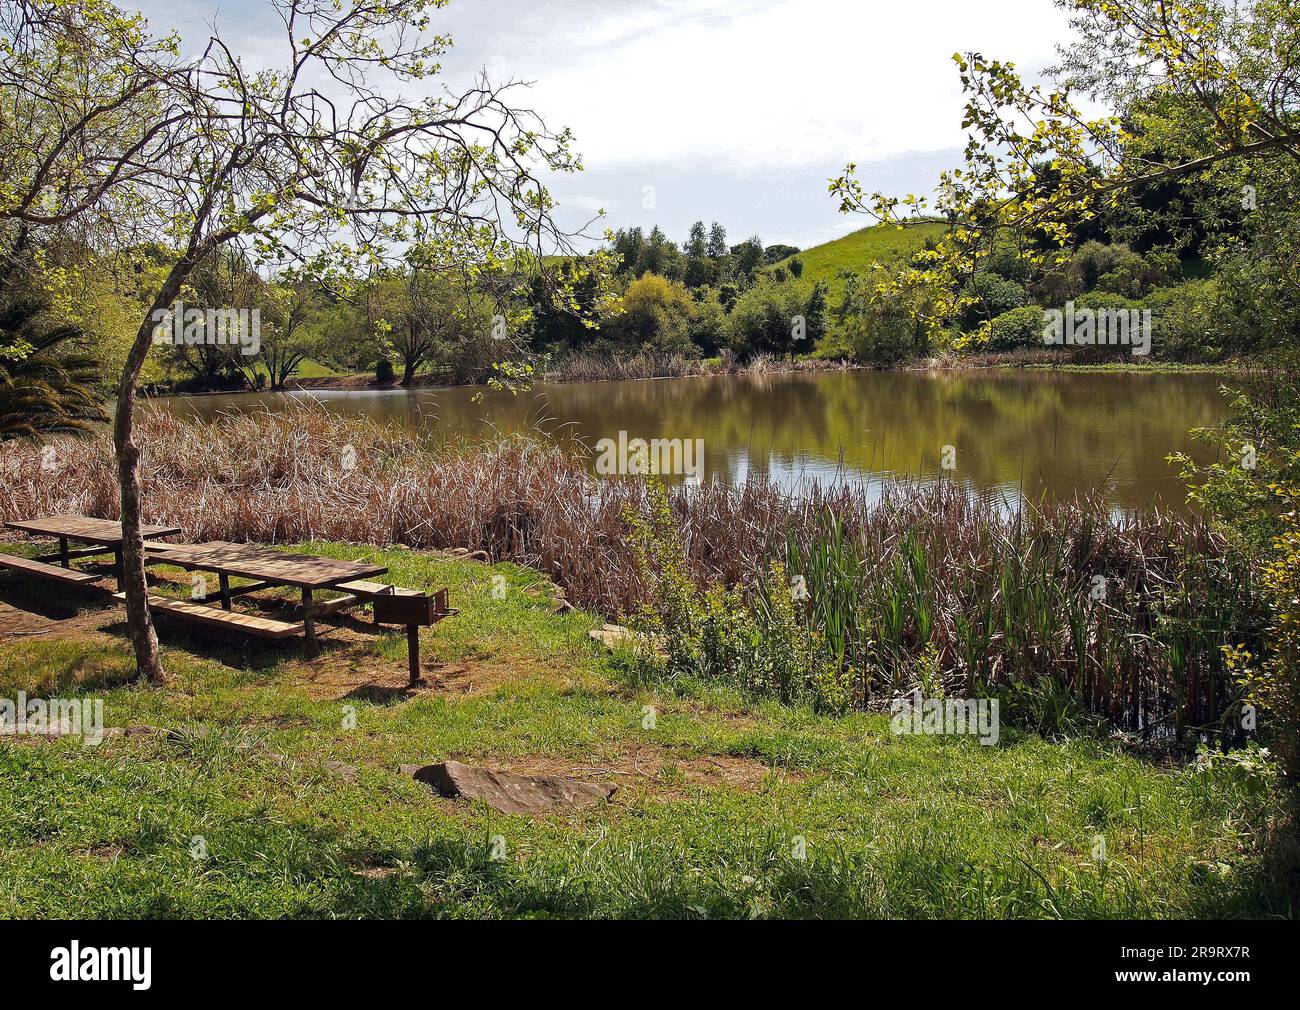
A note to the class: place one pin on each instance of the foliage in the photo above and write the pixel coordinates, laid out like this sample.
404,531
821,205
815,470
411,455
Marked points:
654,316
883,322
1205,95
47,384
988,295
766,644
1016,328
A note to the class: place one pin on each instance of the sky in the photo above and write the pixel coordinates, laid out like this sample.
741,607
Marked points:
738,111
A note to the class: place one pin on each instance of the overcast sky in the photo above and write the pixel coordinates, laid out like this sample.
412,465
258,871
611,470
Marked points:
730,110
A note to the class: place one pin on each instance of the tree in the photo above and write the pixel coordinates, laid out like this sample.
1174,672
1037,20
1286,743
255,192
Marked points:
749,257
290,336
698,269
717,248
769,318
1202,92
117,129
655,316
224,281
43,391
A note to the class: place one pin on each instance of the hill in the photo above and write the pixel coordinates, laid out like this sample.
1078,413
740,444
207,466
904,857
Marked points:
857,249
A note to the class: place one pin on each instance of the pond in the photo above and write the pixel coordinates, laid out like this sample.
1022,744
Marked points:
1005,433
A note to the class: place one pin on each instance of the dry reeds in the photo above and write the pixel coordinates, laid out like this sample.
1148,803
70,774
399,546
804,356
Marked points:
996,598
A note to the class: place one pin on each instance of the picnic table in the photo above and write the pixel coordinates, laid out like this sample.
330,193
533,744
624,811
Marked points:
104,536
305,572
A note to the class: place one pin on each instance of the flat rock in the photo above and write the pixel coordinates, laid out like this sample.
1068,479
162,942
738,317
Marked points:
510,793
51,731
613,636
346,771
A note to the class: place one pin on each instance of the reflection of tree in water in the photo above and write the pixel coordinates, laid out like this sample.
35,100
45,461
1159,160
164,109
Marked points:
1055,433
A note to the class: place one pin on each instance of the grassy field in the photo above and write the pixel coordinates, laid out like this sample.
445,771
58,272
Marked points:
857,250
276,791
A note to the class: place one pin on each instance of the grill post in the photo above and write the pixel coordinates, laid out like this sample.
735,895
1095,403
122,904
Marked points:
413,652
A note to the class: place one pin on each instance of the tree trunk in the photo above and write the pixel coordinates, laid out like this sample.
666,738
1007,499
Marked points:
144,641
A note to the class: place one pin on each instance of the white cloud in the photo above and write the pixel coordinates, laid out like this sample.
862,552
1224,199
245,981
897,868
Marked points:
768,83
737,110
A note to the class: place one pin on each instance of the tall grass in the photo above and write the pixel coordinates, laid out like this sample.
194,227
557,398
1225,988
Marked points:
585,367
925,587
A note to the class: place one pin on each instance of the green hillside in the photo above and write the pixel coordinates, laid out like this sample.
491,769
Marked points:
857,249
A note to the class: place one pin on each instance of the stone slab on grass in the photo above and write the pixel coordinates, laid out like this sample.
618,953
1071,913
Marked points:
510,793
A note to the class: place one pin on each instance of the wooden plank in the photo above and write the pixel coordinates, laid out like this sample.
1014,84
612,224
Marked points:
41,568
363,588
89,552
305,571
87,528
261,626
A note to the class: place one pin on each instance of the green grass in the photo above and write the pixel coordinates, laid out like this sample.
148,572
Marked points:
892,825
858,249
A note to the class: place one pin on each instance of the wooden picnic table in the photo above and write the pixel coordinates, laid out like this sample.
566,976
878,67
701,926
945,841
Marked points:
105,536
306,572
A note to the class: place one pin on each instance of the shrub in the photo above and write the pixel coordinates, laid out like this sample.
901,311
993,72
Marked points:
384,372
882,324
1022,327
655,316
707,327
993,296
762,320
1193,323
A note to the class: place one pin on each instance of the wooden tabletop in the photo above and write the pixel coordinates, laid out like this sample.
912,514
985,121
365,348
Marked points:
87,528
304,570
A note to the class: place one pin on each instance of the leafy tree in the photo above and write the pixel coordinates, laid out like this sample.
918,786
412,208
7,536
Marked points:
226,280
655,316
987,296
1206,93
698,269
748,257
767,318
707,326
45,387
291,335
717,242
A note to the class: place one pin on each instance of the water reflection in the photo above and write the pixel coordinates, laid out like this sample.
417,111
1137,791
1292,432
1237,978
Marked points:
1014,433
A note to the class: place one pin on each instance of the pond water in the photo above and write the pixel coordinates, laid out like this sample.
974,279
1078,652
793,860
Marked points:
1011,433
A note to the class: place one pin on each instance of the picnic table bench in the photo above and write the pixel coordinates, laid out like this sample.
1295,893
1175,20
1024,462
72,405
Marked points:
267,568
307,573
104,536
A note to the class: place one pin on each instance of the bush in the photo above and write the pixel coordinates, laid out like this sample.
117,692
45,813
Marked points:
1119,270
1022,327
707,327
655,316
1192,322
762,320
384,371
993,296
1101,300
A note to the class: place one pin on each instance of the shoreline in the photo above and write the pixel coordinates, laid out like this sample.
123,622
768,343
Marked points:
709,368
